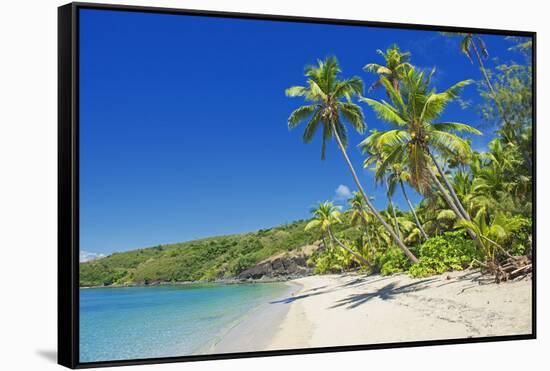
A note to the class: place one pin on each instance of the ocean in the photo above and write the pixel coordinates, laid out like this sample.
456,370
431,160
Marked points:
164,321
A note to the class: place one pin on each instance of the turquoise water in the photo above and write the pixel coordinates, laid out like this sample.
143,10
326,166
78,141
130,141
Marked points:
163,321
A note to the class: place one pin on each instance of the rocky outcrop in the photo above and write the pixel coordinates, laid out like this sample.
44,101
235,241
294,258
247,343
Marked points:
283,265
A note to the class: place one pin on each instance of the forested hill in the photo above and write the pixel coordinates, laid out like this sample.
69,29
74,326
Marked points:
199,260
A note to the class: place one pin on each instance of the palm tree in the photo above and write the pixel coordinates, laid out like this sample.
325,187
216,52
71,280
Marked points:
413,111
496,184
325,215
397,64
397,174
473,42
360,216
374,157
330,106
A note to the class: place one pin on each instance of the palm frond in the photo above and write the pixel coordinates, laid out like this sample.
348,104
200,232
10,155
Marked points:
456,127
342,132
385,111
465,46
296,91
449,142
312,224
354,115
311,128
300,114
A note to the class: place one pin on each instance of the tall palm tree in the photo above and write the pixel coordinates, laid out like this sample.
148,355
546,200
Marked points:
474,43
330,106
397,64
325,215
417,137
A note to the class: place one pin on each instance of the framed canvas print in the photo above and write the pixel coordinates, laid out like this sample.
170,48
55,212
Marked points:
238,185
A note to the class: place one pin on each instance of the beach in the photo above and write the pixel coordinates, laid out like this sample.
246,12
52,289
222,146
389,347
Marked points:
351,309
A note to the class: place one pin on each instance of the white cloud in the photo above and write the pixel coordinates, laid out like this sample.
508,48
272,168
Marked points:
88,255
342,193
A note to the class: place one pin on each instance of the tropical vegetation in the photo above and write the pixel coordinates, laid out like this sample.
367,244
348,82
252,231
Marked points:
463,207
474,208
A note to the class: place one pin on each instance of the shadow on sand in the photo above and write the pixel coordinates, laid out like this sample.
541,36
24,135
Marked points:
387,292
352,301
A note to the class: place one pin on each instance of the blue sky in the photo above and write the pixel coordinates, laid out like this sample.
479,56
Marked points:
183,121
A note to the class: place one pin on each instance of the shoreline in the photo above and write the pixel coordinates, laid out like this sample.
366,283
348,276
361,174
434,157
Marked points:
228,281
354,309
254,330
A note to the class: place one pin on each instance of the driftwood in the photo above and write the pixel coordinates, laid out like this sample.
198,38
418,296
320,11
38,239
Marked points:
514,267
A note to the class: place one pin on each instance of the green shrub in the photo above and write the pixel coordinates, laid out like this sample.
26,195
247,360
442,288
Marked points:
520,242
448,252
391,260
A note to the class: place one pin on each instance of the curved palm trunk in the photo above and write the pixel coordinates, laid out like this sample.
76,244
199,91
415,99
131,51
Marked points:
445,194
450,202
394,215
397,240
357,256
455,198
411,207
395,221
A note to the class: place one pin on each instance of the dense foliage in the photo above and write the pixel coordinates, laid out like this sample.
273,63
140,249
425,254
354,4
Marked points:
447,252
475,207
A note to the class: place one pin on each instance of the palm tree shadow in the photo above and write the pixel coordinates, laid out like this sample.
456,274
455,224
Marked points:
364,280
50,355
388,292
291,299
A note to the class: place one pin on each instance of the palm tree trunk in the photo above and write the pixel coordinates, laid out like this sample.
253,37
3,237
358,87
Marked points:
355,255
422,231
397,240
394,215
450,202
395,223
445,194
456,200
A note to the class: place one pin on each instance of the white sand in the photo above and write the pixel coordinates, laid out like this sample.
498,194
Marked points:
337,310
351,310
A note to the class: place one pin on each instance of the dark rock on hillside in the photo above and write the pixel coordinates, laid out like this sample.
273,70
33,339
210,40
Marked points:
287,264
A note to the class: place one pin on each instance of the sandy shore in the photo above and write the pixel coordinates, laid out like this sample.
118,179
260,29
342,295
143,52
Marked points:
352,309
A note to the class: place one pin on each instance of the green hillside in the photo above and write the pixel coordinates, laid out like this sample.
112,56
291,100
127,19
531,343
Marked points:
206,259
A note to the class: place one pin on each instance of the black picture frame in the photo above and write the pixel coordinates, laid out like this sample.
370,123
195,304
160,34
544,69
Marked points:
68,184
